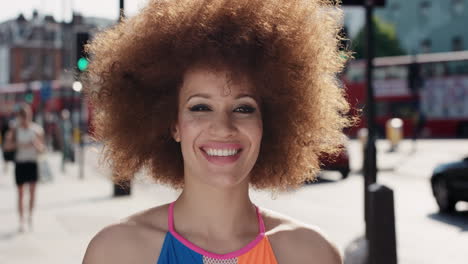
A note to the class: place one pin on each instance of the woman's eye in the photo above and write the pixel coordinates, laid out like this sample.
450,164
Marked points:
245,109
199,108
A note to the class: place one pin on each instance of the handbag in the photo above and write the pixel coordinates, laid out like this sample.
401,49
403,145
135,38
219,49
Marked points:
9,152
44,171
9,155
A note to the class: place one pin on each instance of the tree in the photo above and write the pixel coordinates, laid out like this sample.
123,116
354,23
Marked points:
385,40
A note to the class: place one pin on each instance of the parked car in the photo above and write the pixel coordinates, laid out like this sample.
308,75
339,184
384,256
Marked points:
337,163
449,183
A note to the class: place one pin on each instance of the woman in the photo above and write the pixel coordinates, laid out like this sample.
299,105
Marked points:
211,97
27,139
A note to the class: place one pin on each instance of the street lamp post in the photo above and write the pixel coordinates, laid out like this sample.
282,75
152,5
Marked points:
125,187
370,162
121,10
78,133
378,199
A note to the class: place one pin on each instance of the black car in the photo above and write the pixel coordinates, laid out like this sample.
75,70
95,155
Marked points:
336,163
450,184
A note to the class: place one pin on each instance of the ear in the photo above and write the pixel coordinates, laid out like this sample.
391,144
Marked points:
175,131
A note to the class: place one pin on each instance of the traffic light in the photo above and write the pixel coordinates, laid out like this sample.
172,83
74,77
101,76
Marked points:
362,2
81,60
29,96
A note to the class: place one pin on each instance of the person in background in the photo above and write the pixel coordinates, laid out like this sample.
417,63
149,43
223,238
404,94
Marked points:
27,140
65,135
419,121
3,128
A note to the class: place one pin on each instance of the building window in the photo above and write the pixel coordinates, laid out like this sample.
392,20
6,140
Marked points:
28,59
395,10
425,7
458,6
48,66
50,35
426,46
21,31
457,43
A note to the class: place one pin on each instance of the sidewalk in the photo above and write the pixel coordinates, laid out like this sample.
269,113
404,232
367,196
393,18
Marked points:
70,211
410,162
66,207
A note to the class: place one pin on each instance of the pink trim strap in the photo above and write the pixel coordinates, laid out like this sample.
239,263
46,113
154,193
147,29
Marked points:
203,252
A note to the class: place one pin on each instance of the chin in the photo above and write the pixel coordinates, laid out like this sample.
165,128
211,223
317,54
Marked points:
224,180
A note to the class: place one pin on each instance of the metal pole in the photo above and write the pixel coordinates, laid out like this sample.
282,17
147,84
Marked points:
121,10
370,163
124,188
382,237
80,127
42,54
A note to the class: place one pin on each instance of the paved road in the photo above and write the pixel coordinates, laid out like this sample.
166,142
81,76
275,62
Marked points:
70,211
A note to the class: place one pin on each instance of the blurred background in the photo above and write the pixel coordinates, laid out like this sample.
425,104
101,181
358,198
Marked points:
420,87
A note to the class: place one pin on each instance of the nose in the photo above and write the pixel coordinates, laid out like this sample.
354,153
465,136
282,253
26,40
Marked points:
223,126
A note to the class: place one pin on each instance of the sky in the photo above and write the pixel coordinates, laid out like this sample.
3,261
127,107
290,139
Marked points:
62,9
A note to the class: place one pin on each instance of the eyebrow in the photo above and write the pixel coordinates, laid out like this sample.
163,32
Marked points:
207,96
245,95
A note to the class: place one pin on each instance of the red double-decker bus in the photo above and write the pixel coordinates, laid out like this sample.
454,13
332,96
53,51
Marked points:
46,110
11,95
438,103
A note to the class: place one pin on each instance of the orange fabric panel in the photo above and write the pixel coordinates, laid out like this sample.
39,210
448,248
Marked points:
261,253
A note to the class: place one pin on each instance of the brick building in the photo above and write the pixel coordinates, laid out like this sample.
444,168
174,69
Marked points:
39,55
41,48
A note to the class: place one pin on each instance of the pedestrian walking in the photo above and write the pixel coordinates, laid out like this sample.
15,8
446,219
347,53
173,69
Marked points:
26,140
65,135
419,121
211,97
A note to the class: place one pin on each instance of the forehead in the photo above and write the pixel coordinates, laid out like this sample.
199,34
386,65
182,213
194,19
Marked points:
215,82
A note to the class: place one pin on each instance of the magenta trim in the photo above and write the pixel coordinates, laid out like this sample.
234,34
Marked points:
201,251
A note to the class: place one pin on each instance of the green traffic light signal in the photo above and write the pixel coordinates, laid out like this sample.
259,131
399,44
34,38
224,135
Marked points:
29,97
82,64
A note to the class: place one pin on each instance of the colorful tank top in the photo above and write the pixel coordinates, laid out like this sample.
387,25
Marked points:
178,250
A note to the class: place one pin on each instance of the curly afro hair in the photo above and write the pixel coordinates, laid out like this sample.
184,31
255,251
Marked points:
290,49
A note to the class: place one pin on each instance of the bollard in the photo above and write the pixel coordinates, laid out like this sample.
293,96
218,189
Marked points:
382,238
394,132
122,189
362,136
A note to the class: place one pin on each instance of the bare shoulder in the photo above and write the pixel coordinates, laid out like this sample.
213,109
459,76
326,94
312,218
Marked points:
137,239
297,243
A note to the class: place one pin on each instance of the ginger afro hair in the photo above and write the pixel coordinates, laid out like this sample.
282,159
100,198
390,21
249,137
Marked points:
290,49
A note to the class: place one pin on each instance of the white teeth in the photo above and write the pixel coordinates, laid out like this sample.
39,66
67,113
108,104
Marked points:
221,152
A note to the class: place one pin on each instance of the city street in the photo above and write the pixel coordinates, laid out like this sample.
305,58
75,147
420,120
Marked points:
71,210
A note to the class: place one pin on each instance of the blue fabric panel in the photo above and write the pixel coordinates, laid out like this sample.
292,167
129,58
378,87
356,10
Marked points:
174,252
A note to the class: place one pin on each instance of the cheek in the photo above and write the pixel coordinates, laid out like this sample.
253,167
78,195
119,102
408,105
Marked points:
254,130
190,126
259,132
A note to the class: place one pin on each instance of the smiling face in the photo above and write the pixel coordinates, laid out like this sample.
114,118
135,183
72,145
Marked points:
219,127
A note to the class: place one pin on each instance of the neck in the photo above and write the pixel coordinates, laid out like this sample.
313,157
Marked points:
213,212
